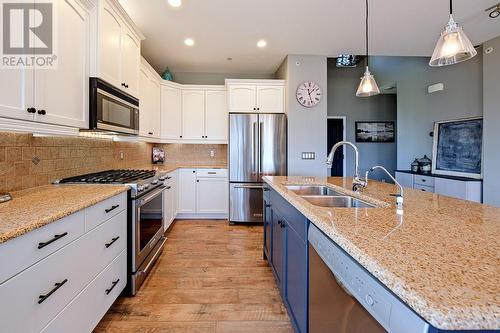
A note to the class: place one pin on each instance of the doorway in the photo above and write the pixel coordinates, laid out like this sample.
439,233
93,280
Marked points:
336,133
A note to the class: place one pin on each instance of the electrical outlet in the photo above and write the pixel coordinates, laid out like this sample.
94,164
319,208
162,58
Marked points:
308,155
122,155
212,153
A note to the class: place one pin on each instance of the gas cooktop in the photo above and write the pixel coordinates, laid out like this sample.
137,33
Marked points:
140,181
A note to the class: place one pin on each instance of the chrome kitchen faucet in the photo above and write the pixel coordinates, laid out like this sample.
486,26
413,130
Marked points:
357,183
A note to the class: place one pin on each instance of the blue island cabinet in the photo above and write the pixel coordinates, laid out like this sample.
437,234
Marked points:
285,248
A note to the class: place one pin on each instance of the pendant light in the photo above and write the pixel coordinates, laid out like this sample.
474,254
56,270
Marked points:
368,86
453,45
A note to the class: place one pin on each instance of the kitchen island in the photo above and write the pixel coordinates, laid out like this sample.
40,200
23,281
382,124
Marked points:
440,257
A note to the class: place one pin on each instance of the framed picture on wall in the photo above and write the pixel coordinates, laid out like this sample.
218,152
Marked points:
375,131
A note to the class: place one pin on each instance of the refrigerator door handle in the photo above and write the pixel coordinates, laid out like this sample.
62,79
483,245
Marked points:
255,143
261,130
249,186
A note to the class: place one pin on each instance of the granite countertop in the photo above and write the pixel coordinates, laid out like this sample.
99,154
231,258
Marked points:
36,207
169,167
441,257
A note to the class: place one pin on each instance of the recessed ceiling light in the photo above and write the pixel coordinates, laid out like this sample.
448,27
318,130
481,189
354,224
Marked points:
175,3
189,42
261,43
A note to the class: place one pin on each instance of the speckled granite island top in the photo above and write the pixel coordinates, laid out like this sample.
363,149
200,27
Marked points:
441,257
33,208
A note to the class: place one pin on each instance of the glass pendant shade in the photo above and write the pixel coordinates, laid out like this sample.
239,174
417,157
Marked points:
452,47
368,86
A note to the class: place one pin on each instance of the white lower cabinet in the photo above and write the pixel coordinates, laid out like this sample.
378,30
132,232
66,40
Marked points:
187,191
168,197
461,188
202,193
33,295
84,312
211,195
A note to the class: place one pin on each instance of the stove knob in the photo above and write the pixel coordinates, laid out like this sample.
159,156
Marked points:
146,186
140,188
154,182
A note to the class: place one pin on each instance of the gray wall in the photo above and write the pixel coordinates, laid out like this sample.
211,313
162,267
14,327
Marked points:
214,78
417,110
342,101
491,72
306,126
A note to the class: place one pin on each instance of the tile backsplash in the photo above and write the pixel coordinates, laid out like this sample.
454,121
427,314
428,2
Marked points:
195,154
27,161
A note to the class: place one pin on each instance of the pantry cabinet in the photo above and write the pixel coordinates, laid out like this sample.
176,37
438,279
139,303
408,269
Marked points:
58,95
116,47
267,96
149,102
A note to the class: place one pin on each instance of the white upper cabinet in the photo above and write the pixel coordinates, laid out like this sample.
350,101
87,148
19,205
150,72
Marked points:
270,99
17,93
216,115
171,113
149,102
116,47
61,94
193,114
131,49
58,95
242,98
256,95
110,45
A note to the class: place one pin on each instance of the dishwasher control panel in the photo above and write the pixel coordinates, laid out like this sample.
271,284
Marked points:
385,307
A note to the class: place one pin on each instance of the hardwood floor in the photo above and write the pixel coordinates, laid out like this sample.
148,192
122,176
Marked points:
210,278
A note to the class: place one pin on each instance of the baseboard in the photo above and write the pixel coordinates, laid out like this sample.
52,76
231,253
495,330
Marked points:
191,216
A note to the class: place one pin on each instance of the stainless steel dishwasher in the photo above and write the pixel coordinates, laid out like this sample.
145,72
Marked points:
345,298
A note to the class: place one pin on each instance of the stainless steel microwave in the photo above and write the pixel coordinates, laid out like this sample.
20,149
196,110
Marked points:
112,110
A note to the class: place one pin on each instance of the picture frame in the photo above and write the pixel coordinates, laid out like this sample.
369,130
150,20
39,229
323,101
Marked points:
457,148
375,131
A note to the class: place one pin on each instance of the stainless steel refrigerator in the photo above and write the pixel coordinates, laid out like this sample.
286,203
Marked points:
257,148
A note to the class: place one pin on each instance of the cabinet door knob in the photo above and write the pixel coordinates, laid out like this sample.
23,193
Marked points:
31,110
150,133
123,84
42,112
180,136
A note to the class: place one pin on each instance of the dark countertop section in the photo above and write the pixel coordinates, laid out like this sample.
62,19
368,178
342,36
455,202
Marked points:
466,179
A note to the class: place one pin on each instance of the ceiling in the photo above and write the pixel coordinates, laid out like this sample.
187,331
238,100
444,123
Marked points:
231,28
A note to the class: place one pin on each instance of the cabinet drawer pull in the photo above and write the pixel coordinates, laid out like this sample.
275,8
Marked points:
56,237
150,133
212,172
112,208
42,112
58,285
113,285
31,110
112,241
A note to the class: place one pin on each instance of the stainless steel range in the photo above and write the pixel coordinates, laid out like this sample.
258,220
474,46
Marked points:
145,217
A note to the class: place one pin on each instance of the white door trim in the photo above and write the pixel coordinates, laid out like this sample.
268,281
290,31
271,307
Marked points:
344,119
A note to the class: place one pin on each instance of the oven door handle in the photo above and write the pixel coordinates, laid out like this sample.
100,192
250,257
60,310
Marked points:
150,196
153,260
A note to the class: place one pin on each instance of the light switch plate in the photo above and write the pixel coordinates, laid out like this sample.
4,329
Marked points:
308,155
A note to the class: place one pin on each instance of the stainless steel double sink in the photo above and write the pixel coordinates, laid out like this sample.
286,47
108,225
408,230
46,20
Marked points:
324,196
